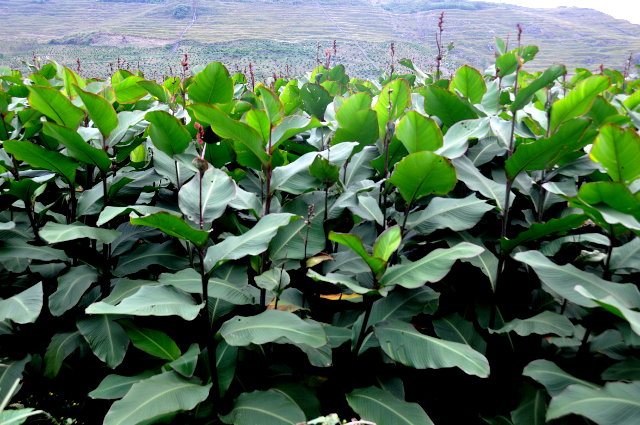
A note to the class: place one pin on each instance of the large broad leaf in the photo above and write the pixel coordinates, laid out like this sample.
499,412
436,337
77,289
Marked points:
212,85
62,344
152,301
445,105
9,372
532,407
125,288
626,256
204,199
315,99
156,90
109,213
16,248
151,341
454,328
470,83
615,404
525,94
173,226
24,307
264,408
404,344
164,393
456,140
475,180
510,61
544,153
167,132
383,408
537,230
618,150
627,370
55,105
542,324
190,281
100,111
107,339
455,214
419,133
272,105
39,157
377,265
185,365
423,173
554,379
614,306
128,91
487,262
76,146
71,286
271,325
226,361
117,386
604,196
359,167
252,242
430,268
387,243
578,101
55,232
398,99
563,279
167,254
357,121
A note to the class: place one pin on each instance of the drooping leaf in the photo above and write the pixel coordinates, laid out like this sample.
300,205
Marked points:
106,338
163,393
618,151
578,101
190,281
71,286
226,361
167,254
423,173
403,343
173,226
10,370
212,85
554,379
475,180
315,99
264,407
381,407
626,256
376,264
455,214
525,94
62,344
39,157
23,307
76,146
532,407
117,386
16,248
445,105
456,140
151,341
185,365
55,105
538,230
128,90
100,111
454,328
542,324
167,133
55,232
510,61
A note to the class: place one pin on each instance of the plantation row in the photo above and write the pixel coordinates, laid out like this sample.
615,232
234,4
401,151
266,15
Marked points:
408,250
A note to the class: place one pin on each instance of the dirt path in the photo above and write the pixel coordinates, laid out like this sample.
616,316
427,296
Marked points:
193,21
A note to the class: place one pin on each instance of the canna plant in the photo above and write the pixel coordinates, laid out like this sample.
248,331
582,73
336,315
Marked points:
410,250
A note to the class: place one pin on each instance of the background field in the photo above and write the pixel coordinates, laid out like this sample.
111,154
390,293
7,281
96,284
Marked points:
274,34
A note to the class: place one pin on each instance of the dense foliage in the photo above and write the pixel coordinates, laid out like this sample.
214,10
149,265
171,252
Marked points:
413,249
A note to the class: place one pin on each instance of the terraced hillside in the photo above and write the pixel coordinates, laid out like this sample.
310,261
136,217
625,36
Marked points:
274,34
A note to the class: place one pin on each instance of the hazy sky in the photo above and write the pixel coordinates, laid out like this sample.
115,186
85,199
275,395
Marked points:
621,9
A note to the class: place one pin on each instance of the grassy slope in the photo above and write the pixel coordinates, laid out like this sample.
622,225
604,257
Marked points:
273,34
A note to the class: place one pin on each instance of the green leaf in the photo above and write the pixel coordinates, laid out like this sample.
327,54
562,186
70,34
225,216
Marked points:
538,230
190,281
554,379
264,408
23,307
544,153
248,143
212,85
423,173
55,105
475,180
418,133
377,265
252,242
454,328
167,254
525,94
164,393
156,90
10,370
399,100
324,170
39,157
445,105
617,403
532,406
315,99
272,105
626,370
340,279
152,301
76,146
357,121
71,286
226,361
614,306
618,150
271,325
13,250
100,111
151,341
387,243
289,127
381,407
578,101
55,232
487,262
128,91
117,386
470,83
185,365
563,279
107,339
456,140
431,268
401,304
404,344
542,324
167,133
626,256
455,214
508,62
605,196
62,344
173,226
367,209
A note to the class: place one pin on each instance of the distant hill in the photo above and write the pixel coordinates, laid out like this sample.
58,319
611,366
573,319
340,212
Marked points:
272,34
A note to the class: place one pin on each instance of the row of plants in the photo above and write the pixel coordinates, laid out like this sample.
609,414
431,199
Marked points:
408,250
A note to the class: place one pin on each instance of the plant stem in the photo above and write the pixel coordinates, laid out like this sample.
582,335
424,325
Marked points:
72,188
105,271
368,306
606,275
105,189
208,343
34,225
